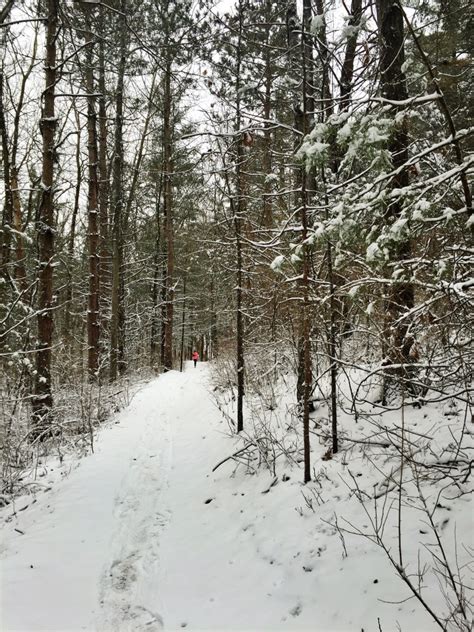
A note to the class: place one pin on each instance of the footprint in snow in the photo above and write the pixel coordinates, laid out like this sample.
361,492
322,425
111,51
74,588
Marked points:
143,619
123,573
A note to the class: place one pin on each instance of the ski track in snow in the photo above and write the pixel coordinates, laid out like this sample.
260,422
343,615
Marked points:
135,544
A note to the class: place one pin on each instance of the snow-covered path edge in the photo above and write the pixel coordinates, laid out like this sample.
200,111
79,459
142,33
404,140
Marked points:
88,555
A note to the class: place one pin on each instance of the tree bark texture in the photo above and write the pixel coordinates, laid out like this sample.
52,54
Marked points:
155,293
104,186
183,325
238,211
347,70
308,117
93,325
400,295
7,217
42,402
298,59
168,212
267,132
117,323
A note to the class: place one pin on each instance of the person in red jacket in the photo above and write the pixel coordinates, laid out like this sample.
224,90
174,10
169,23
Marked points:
195,357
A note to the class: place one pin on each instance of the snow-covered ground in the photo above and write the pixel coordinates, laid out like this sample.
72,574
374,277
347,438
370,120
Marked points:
142,535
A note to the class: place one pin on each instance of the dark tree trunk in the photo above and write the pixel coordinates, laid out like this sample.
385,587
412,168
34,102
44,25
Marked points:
104,185
238,212
183,322
117,360
347,71
67,324
267,133
324,55
308,107
163,293
300,52
7,217
93,326
168,212
155,294
42,402
393,86
213,330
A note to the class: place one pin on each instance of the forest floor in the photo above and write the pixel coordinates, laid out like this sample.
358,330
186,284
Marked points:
142,535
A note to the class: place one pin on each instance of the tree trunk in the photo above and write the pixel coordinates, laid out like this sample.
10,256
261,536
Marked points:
238,212
324,55
347,71
117,360
400,295
183,320
328,109
7,217
104,185
267,133
299,53
168,212
20,268
346,79
93,328
67,325
42,402
308,103
155,321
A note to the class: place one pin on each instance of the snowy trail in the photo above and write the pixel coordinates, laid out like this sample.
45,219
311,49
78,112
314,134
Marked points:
127,536
142,535
89,554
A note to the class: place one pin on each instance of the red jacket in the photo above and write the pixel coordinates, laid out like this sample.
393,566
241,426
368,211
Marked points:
195,355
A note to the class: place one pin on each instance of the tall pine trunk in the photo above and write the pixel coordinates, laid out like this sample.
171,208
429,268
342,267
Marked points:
307,183
267,132
155,287
238,211
117,360
400,294
7,216
93,326
104,185
298,53
43,398
183,325
347,70
168,213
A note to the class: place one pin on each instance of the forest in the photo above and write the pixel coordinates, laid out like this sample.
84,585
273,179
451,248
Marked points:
284,187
